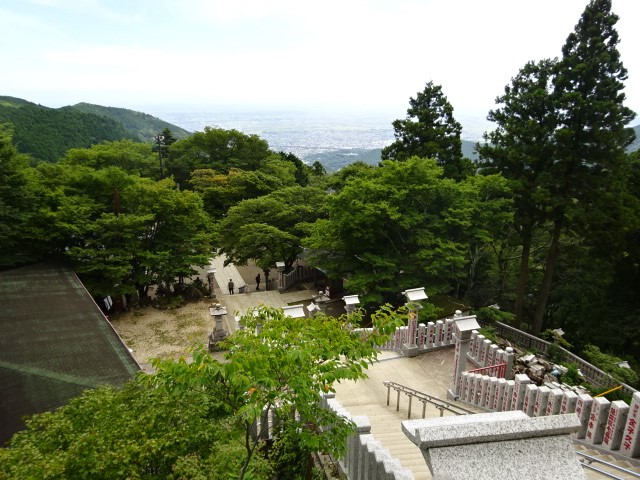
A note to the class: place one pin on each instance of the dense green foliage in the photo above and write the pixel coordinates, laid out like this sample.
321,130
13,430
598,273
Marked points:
402,224
141,126
47,133
430,131
194,419
610,364
561,140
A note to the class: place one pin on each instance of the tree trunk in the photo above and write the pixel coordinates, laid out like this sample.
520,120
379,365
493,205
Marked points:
545,288
523,278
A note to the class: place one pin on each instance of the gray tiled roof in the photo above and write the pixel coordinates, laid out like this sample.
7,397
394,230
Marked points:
54,343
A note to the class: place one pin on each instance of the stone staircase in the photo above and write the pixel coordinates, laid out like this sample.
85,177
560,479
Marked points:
387,429
611,472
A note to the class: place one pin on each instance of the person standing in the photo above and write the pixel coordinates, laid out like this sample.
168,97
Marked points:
231,287
258,282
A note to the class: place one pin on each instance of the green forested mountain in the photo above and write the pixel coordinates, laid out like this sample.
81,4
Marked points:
48,133
142,126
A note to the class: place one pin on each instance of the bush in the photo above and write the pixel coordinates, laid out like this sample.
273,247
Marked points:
609,363
492,315
489,333
572,377
554,353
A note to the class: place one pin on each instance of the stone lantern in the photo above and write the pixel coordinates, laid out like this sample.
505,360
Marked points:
351,303
280,266
218,334
462,335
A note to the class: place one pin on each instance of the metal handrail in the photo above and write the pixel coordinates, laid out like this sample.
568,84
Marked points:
608,391
440,404
608,464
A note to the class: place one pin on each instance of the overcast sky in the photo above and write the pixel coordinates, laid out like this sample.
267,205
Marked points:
347,54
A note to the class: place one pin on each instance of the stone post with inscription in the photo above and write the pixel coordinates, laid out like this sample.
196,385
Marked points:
461,335
630,437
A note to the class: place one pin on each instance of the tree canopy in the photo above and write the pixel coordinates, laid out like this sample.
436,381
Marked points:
430,131
195,419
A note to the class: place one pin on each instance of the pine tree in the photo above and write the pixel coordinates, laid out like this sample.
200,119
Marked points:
521,148
592,133
430,131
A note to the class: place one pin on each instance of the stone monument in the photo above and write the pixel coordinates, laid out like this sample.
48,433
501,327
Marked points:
218,334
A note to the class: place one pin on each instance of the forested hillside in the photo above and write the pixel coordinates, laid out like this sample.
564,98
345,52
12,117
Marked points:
48,133
142,126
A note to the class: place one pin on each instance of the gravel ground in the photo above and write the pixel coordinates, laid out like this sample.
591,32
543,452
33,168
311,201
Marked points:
153,333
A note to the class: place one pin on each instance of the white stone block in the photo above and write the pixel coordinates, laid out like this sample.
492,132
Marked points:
439,333
431,334
630,445
555,401
569,400
583,410
615,425
597,420
508,394
498,396
517,398
491,392
542,398
529,402
482,392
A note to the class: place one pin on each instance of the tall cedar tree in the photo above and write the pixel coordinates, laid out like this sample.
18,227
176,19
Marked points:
521,149
430,131
592,133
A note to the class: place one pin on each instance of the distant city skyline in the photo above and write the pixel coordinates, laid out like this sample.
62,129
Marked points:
341,55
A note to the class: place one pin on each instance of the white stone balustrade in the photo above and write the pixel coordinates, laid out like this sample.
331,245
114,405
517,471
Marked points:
613,425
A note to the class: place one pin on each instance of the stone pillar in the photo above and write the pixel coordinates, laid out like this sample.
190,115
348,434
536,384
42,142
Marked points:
508,393
412,331
486,343
422,335
473,383
540,409
482,391
615,425
529,402
464,395
597,420
439,333
464,386
555,401
492,358
630,438
431,334
510,361
464,326
498,396
569,400
472,344
517,399
449,328
477,347
491,393
583,410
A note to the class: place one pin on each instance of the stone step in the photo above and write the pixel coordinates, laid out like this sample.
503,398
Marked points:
607,457
386,427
